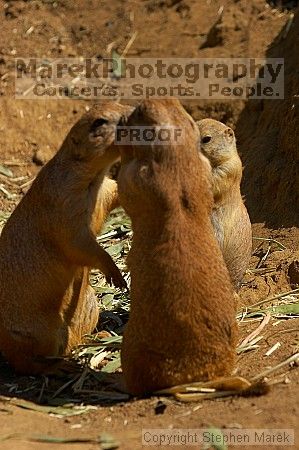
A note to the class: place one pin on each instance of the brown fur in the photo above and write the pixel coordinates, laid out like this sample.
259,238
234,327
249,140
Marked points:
48,246
182,323
229,217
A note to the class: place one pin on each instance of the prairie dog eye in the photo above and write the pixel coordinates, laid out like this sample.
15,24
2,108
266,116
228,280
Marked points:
95,128
206,139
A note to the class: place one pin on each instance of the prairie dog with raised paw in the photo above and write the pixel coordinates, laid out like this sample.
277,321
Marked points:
229,216
182,325
48,246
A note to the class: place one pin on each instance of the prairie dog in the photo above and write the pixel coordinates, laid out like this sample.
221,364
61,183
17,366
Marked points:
229,216
48,246
182,325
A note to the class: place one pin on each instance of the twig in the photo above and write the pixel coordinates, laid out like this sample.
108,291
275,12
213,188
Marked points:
273,349
288,26
129,44
15,163
267,372
291,330
45,383
262,270
257,331
270,240
65,386
8,194
28,183
263,259
270,299
7,181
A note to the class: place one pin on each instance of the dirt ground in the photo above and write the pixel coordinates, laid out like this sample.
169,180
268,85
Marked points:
268,137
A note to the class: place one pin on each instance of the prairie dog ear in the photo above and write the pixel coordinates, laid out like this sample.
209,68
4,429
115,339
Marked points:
229,134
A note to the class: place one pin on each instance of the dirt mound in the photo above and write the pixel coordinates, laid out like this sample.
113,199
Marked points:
268,133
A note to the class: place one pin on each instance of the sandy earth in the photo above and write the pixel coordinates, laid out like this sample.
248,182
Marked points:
268,141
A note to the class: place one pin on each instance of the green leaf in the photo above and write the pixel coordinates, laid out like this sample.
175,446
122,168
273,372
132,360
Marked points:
107,300
105,290
111,340
118,61
6,437
106,441
6,192
116,249
216,439
113,365
5,171
65,411
117,220
292,309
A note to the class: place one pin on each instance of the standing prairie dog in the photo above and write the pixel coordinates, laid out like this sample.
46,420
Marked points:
229,216
48,246
182,325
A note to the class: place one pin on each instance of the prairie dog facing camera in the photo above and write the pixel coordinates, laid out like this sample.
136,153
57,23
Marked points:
229,215
48,247
182,325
